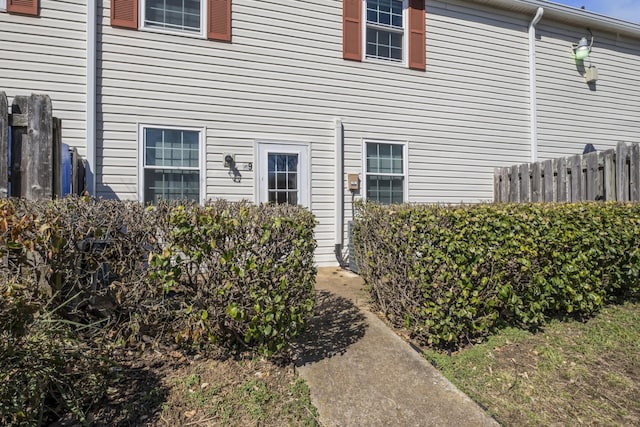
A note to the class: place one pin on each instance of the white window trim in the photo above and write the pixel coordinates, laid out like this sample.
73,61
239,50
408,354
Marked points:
286,147
405,166
405,38
202,162
203,22
3,5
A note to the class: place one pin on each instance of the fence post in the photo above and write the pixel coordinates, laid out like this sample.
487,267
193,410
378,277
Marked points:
56,146
19,140
4,145
38,162
622,173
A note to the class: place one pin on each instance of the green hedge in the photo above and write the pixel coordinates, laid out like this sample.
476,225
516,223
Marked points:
224,277
246,272
454,274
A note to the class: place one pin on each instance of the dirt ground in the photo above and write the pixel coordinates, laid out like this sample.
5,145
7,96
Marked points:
343,283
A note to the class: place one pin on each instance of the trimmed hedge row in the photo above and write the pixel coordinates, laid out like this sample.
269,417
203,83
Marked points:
452,275
246,272
81,277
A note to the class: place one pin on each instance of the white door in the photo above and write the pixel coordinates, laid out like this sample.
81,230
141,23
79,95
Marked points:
283,173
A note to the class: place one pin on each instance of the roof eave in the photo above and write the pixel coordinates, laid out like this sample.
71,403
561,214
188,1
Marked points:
568,14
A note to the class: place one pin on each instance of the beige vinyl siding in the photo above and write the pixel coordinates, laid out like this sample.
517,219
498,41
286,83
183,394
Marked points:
283,79
47,54
572,114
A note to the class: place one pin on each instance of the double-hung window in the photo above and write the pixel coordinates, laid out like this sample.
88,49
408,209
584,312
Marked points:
209,19
390,30
174,15
171,164
385,29
385,166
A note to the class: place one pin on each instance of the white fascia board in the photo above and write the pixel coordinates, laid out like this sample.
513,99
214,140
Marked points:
567,14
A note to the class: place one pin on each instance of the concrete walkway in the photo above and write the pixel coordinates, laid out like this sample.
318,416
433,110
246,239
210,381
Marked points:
362,374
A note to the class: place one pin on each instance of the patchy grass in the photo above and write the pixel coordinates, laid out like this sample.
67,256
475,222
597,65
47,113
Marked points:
246,392
572,373
173,390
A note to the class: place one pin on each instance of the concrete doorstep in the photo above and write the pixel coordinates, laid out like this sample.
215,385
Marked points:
362,374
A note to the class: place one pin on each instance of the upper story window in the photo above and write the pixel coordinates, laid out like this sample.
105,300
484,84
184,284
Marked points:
199,18
175,15
391,30
385,28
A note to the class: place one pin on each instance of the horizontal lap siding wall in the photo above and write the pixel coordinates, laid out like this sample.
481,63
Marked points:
47,54
473,108
283,78
570,113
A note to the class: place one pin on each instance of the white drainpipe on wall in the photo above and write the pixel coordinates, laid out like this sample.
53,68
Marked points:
92,18
339,178
533,94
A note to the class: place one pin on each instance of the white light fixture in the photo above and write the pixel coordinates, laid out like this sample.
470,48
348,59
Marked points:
582,50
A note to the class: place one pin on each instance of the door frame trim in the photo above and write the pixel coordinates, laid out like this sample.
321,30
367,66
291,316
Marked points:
298,147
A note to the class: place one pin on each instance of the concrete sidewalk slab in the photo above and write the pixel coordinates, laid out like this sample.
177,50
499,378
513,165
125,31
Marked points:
362,374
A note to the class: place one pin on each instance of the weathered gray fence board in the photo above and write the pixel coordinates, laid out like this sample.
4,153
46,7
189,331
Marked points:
606,175
36,144
622,173
536,182
514,190
562,181
592,175
503,183
548,180
575,163
634,173
4,145
525,182
39,159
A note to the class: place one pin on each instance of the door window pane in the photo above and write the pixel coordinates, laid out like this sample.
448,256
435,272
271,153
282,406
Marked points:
283,184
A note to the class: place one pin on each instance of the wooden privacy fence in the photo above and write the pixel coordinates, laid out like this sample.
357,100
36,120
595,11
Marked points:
602,175
31,138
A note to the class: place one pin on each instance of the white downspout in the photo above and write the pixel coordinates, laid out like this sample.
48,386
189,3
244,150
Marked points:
533,93
92,18
339,203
